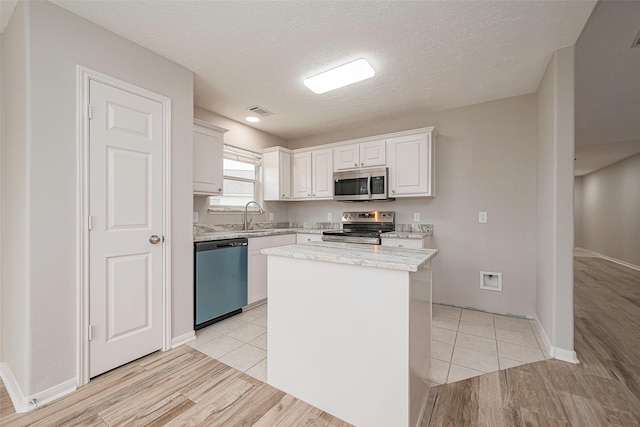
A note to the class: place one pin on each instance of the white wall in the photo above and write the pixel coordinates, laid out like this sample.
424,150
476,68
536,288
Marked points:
249,138
611,210
59,41
555,181
485,161
578,215
15,198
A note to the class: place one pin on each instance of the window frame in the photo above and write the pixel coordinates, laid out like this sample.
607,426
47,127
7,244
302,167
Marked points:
231,152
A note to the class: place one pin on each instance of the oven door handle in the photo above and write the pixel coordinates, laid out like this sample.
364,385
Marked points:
369,185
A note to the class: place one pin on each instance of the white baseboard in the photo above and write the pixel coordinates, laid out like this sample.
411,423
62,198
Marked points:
23,403
183,339
608,258
555,352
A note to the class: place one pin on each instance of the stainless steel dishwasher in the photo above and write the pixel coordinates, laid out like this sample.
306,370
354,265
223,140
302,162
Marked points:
220,280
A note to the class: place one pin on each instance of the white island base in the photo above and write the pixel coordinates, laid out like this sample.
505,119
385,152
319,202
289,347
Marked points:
351,340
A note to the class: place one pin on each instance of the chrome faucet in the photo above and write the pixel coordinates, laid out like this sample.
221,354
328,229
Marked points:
246,224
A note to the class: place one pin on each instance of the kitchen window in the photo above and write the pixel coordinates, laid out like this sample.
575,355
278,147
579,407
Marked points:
241,184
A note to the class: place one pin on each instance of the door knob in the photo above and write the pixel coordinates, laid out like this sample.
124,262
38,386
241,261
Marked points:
154,239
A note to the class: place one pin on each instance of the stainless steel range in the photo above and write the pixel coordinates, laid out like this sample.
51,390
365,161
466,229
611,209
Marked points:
362,227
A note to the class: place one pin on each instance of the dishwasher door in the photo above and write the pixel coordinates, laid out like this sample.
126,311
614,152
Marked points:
220,280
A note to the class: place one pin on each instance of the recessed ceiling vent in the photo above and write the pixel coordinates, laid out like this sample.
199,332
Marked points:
636,41
263,112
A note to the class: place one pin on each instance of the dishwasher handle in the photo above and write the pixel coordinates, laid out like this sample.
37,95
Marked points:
219,244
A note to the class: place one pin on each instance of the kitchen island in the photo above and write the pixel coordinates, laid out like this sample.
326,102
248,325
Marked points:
350,329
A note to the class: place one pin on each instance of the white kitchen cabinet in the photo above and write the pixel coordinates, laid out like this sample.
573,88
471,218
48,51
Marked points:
208,146
276,166
312,175
362,155
308,237
322,172
397,242
257,264
411,165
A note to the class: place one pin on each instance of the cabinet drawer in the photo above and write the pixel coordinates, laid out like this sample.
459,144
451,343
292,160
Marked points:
403,243
306,238
256,243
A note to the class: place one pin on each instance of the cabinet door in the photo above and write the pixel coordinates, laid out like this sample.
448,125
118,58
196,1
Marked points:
207,161
301,180
410,166
347,157
373,153
257,277
285,175
322,170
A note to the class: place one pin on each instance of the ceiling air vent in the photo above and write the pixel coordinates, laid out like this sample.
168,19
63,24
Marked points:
636,41
256,109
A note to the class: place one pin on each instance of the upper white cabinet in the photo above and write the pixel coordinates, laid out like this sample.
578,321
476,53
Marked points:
312,174
362,155
276,166
208,146
411,165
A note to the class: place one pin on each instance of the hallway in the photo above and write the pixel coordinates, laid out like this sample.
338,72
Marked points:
604,389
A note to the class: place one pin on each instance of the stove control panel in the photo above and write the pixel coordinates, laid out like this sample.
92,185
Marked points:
368,217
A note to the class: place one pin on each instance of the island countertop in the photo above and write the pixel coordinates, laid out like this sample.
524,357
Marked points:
357,254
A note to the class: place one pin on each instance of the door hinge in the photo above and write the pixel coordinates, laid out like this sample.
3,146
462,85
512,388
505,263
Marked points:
90,111
89,222
90,332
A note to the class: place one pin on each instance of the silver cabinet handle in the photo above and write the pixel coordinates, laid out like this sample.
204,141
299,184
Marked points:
154,239
308,195
393,191
361,164
355,164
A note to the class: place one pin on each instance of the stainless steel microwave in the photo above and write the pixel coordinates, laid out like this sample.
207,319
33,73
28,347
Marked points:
361,185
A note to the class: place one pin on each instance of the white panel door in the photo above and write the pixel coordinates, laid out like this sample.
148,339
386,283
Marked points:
301,180
346,157
373,153
409,166
125,201
208,152
322,170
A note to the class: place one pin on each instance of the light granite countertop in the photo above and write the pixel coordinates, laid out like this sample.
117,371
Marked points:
357,254
236,234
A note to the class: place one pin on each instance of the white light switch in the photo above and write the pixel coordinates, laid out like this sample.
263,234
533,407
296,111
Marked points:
329,216
195,217
482,217
416,216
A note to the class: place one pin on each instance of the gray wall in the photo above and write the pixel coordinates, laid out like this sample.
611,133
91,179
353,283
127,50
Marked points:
485,161
578,202
59,41
611,211
242,136
15,197
554,225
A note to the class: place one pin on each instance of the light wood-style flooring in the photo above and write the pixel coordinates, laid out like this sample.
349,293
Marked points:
603,390
177,388
186,387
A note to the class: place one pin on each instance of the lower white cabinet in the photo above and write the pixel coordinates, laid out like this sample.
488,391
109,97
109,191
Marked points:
308,237
397,242
257,264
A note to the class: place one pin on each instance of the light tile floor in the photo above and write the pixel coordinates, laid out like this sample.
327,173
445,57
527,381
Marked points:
239,341
465,343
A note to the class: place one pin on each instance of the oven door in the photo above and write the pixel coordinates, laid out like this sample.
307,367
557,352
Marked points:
360,185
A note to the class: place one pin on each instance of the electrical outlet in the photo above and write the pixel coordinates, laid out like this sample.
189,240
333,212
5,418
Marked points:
482,217
270,216
195,217
329,216
416,216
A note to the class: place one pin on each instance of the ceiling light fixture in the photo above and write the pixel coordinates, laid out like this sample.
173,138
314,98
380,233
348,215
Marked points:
343,75
253,119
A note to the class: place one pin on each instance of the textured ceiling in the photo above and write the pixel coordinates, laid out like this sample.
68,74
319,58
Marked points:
428,55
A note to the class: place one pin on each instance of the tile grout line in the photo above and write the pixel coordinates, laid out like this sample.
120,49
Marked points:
455,340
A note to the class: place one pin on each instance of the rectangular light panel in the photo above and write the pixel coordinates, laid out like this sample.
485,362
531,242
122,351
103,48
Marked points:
343,75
